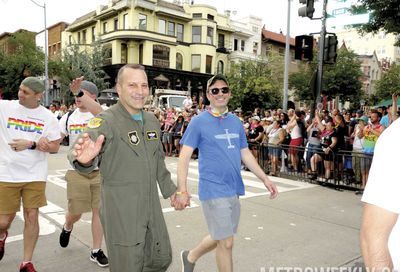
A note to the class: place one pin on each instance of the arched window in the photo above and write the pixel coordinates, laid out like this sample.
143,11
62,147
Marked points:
220,67
179,61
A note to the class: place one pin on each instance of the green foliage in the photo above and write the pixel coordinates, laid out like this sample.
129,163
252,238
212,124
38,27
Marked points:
388,84
256,83
340,79
26,60
384,14
343,78
77,62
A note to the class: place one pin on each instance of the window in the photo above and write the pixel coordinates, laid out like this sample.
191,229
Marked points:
220,67
141,54
179,61
142,21
79,37
70,39
125,21
281,51
210,35
221,40
115,24
210,17
84,36
179,32
104,27
235,45
93,34
107,53
124,53
255,29
161,26
171,29
242,45
197,15
339,11
196,34
160,56
255,47
208,64
196,63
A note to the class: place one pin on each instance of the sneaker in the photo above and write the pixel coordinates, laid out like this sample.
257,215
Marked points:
359,192
64,237
186,265
28,267
2,246
99,257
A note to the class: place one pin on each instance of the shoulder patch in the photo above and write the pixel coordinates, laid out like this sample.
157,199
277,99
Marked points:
134,137
152,135
95,122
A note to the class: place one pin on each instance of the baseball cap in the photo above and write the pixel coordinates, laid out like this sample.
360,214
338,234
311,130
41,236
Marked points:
364,119
212,80
360,112
34,84
90,87
256,118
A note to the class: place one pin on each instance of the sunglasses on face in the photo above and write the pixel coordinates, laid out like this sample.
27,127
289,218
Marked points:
215,91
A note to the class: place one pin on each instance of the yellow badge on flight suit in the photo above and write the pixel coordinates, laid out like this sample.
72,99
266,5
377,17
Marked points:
95,122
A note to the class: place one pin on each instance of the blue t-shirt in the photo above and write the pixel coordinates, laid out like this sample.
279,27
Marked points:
219,140
385,121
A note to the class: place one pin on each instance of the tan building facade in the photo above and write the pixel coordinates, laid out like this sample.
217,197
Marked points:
8,47
54,33
372,72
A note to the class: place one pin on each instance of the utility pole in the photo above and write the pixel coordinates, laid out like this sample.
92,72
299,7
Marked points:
287,62
321,54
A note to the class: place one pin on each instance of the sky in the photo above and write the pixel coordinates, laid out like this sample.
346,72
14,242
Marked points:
17,14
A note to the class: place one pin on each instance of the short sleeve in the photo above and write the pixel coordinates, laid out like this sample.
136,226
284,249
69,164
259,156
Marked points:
192,135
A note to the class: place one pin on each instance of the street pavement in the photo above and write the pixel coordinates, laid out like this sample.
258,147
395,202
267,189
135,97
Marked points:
307,226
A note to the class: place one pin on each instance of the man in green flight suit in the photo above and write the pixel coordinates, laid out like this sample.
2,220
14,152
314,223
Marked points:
124,142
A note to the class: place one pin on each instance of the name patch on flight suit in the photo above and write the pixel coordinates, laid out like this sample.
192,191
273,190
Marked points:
151,135
133,137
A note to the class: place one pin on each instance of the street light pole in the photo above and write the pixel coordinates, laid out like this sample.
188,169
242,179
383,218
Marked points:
287,60
46,56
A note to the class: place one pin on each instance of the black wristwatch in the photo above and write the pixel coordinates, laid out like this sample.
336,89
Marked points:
33,145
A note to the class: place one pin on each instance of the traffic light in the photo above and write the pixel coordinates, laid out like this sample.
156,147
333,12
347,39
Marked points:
308,9
303,48
330,49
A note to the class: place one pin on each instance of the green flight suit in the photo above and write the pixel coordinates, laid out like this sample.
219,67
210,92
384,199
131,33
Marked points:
131,164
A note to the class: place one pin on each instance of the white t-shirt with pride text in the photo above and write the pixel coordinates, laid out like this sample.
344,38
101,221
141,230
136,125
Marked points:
77,123
19,122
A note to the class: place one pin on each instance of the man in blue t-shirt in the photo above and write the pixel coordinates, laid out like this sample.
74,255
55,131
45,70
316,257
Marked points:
222,144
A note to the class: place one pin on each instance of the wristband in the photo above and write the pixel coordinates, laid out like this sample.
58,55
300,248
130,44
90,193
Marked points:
181,193
33,146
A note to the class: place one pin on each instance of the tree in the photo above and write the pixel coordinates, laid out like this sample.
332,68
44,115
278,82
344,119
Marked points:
384,14
343,78
25,60
257,83
389,83
340,79
77,62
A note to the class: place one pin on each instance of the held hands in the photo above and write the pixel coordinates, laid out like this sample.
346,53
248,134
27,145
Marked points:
85,150
20,144
180,200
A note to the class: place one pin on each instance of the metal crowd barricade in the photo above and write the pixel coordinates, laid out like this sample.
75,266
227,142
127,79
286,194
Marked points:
346,173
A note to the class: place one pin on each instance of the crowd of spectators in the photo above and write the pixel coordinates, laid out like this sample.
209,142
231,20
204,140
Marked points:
305,144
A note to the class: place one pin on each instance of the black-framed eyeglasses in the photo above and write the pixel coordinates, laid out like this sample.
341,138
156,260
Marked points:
215,91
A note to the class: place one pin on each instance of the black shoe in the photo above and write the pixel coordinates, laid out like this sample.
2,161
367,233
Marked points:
359,192
186,265
64,237
99,258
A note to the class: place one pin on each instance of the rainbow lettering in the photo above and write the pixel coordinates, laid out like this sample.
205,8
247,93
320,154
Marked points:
76,128
24,125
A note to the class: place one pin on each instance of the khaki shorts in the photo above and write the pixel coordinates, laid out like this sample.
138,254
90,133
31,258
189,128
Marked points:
83,191
33,195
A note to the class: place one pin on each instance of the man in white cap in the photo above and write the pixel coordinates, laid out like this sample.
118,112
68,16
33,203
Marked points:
27,132
83,191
